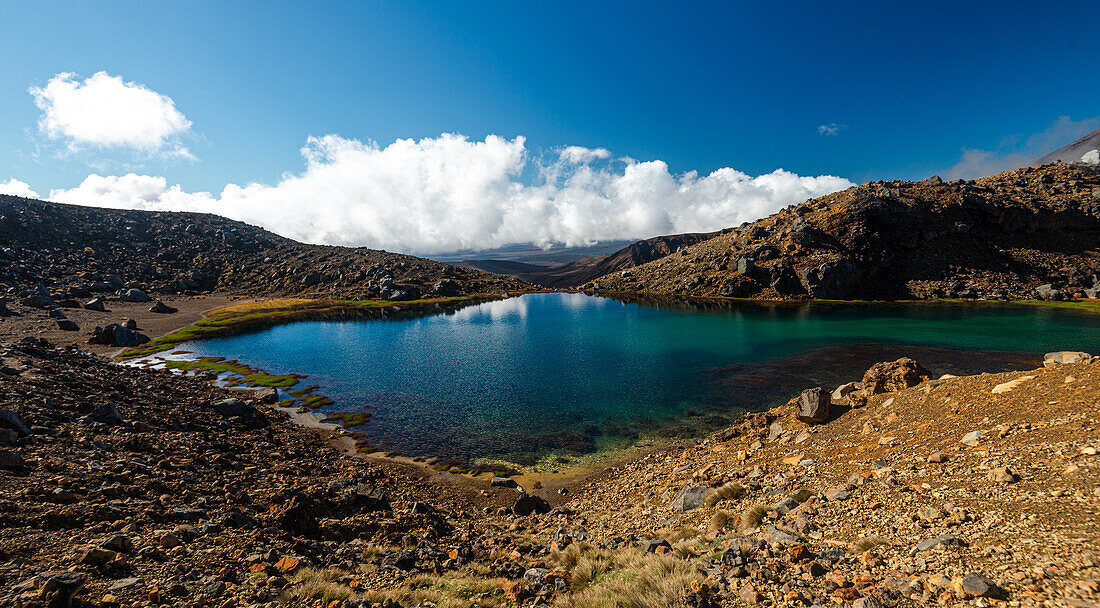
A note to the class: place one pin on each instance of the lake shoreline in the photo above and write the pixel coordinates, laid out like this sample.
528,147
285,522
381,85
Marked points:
582,467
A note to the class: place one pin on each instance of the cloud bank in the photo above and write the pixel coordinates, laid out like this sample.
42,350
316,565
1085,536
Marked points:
103,111
1014,152
15,187
451,193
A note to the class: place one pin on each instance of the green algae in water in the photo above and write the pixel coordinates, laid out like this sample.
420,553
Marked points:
546,377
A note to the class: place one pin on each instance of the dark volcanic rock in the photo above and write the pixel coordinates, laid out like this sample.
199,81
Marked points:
235,408
162,308
526,504
57,589
1017,235
117,335
13,421
134,295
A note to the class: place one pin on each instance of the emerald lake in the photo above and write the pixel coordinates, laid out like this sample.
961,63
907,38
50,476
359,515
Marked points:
549,377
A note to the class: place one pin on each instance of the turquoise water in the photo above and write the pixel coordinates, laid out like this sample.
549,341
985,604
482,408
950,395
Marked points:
566,374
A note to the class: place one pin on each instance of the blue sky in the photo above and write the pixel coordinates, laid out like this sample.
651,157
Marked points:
903,89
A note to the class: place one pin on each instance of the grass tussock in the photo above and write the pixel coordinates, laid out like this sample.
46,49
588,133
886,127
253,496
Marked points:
675,535
569,557
752,517
320,584
729,491
463,588
628,579
866,543
720,520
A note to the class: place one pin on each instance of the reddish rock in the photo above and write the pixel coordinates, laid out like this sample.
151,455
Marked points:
894,376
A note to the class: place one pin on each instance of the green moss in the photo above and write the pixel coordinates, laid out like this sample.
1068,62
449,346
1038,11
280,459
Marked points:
239,373
302,392
349,419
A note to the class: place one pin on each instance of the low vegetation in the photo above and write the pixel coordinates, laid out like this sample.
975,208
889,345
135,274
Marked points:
729,491
753,516
238,317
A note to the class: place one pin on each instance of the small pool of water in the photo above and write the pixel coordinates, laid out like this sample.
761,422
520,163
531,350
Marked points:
548,377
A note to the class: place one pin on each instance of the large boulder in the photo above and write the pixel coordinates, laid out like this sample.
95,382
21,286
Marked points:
162,308
527,504
813,405
1065,356
690,497
117,335
784,281
96,304
10,459
235,408
830,281
134,295
57,589
446,287
39,297
1049,292
840,396
11,420
894,376
738,286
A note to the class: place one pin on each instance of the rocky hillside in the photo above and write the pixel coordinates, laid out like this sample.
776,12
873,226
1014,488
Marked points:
1031,233
76,251
899,489
137,487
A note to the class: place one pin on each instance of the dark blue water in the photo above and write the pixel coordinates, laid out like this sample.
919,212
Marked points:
556,375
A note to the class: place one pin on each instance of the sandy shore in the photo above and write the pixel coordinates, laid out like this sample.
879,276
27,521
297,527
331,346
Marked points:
35,322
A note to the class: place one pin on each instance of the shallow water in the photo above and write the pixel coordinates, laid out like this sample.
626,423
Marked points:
564,374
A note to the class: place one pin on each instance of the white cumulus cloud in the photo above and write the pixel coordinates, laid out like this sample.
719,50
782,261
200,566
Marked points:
15,187
103,111
451,193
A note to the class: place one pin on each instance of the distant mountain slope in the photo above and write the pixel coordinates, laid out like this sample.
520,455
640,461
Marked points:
997,237
502,266
1074,152
76,250
581,271
631,256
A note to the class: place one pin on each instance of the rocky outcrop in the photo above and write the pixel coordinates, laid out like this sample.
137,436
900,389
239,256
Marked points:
1023,234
